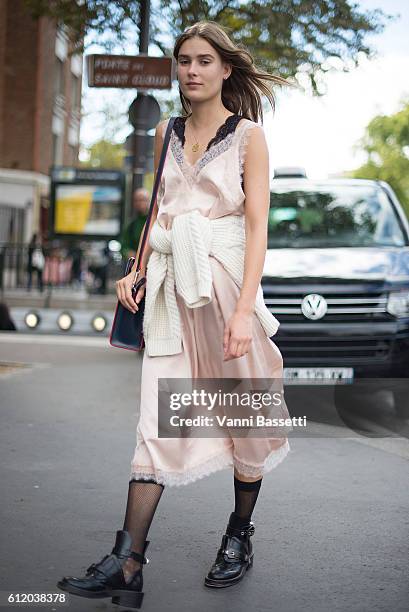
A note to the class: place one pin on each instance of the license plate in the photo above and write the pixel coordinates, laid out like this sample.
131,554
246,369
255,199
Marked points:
319,376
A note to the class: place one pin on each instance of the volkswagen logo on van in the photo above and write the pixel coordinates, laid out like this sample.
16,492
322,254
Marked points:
314,306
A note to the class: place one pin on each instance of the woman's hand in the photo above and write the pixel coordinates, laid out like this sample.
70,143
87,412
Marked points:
124,291
238,335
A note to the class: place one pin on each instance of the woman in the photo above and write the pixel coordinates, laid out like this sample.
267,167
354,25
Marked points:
217,160
35,262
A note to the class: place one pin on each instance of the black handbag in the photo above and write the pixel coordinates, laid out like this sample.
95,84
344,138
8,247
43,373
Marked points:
126,331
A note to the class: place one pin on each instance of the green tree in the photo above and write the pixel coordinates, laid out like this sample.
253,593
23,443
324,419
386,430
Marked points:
286,36
386,143
103,154
111,121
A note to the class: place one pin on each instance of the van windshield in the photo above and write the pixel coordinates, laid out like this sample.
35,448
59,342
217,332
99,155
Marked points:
332,216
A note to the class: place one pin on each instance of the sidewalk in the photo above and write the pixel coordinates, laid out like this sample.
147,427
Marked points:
58,297
331,520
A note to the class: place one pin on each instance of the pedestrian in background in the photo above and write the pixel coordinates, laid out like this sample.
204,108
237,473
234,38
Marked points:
76,254
215,177
131,235
35,262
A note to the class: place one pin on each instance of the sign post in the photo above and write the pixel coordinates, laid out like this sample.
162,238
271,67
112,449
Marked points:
140,72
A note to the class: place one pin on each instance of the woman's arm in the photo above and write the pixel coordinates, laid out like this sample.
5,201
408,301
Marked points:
238,331
257,205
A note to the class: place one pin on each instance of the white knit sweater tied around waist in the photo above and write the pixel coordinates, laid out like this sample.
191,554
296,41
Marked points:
180,261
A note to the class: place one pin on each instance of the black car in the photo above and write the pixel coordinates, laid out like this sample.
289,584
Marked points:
336,275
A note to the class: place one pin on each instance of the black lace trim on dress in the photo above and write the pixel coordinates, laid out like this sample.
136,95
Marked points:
228,126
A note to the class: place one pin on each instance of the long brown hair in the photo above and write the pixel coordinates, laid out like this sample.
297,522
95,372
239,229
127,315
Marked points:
241,91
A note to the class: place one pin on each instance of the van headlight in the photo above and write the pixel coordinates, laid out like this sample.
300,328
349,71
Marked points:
398,304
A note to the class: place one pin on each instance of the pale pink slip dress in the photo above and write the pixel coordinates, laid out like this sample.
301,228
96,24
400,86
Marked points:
213,185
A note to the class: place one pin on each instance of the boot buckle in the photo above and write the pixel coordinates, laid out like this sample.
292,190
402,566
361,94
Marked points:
250,531
231,554
235,554
138,557
95,566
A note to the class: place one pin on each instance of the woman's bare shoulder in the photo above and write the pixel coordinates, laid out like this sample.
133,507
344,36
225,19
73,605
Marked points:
161,127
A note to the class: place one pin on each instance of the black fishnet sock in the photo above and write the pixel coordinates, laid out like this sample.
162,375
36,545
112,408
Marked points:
245,496
143,499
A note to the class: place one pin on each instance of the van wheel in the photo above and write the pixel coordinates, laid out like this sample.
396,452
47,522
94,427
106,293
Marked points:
401,403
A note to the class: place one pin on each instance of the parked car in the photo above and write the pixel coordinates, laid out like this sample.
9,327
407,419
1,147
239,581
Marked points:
336,275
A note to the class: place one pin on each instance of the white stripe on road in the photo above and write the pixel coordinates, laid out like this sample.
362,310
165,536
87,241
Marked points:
19,338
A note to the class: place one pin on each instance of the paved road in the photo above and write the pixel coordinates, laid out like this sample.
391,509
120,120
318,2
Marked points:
331,520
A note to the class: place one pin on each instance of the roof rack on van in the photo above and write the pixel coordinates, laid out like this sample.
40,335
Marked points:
289,172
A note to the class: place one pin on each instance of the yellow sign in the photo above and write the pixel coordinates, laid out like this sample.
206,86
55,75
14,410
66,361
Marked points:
72,212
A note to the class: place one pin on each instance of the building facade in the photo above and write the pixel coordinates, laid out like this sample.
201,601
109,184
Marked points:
40,102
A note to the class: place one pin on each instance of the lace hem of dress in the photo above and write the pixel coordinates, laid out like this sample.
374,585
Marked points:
215,464
272,461
173,479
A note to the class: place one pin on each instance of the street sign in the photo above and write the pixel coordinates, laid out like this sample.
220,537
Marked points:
129,71
144,112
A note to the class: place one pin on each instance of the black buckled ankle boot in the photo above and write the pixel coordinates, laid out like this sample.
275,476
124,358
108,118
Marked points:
106,578
234,557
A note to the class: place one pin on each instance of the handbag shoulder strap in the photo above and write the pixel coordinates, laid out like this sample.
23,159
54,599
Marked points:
156,186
